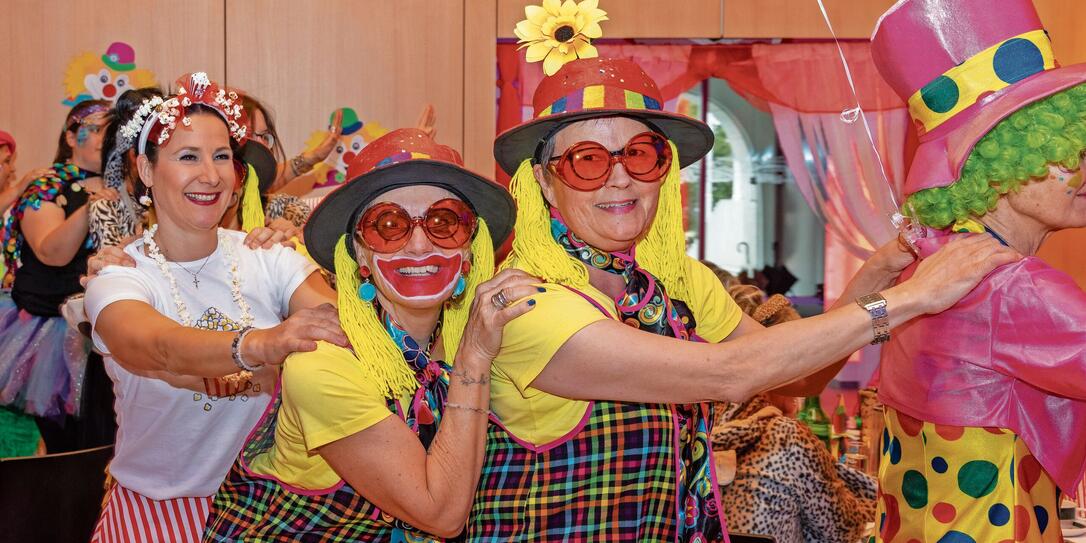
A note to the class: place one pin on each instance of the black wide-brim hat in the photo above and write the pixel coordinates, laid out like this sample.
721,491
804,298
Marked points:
591,88
255,154
403,158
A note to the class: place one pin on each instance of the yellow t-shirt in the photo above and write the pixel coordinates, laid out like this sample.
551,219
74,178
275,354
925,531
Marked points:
325,397
529,342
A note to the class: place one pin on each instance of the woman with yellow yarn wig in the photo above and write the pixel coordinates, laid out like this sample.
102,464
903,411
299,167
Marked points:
986,402
602,394
383,442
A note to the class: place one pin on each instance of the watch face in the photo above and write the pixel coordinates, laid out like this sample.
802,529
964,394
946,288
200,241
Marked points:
870,301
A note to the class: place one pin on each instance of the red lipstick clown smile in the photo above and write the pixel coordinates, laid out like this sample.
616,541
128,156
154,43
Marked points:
425,277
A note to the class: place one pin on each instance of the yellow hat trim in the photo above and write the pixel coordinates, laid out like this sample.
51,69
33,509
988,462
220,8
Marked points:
991,70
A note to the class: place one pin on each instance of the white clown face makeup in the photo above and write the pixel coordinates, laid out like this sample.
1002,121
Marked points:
419,275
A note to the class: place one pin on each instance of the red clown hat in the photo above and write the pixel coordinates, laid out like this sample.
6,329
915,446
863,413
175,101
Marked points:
402,158
599,87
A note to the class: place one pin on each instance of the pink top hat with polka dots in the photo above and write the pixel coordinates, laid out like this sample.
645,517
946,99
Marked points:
962,66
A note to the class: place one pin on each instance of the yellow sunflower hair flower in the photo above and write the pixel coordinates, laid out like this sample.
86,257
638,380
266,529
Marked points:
558,32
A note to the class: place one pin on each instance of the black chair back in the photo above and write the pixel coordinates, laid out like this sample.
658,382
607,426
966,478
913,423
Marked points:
56,497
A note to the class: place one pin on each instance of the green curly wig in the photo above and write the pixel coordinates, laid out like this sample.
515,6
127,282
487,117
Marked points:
1019,149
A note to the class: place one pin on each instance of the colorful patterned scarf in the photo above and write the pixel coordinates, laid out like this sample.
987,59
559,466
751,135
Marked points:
42,189
428,405
645,302
646,306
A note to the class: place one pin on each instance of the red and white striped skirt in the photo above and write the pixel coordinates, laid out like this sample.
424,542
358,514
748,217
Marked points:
130,517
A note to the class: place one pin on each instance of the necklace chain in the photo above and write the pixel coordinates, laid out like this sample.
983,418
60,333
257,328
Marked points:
196,275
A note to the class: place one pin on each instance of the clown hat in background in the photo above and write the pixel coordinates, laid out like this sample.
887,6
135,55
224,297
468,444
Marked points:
962,66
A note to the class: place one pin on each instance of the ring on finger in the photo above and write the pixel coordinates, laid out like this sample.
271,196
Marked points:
499,300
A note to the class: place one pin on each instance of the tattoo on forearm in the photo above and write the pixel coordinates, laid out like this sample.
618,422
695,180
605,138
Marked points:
466,379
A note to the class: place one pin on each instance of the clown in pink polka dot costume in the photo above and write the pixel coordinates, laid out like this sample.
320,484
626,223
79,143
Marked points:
986,401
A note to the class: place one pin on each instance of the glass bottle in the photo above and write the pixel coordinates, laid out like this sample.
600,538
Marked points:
815,418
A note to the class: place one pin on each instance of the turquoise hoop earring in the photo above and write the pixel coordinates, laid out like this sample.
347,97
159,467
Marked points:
366,291
462,282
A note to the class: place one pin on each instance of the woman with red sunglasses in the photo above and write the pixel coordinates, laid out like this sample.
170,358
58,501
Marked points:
192,334
383,441
602,394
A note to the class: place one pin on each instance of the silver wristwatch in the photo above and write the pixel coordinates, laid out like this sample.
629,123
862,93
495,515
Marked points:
875,304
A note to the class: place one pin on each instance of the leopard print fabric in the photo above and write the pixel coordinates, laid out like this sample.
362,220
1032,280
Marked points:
786,484
287,207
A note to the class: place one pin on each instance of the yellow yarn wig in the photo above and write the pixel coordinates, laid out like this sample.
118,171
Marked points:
379,356
252,209
662,252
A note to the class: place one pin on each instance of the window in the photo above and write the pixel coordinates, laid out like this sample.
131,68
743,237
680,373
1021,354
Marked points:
742,211
722,187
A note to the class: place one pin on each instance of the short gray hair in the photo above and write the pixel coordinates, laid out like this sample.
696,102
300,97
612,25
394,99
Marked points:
547,149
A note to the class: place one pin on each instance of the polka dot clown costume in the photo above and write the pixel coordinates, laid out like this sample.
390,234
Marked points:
986,414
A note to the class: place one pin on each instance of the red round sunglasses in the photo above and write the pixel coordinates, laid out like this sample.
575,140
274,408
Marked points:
587,165
386,227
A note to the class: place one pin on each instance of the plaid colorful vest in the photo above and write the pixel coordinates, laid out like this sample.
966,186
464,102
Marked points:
254,507
627,472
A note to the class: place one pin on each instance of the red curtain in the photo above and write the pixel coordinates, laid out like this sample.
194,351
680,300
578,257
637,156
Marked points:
807,77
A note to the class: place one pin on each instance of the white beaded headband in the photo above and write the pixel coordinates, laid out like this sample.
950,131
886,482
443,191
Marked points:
197,89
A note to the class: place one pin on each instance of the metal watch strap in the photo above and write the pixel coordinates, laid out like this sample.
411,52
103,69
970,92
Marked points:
875,305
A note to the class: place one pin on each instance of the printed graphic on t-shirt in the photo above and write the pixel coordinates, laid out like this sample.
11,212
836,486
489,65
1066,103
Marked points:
221,388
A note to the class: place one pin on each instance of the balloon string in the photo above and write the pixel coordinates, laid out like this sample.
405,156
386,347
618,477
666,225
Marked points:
851,115
906,226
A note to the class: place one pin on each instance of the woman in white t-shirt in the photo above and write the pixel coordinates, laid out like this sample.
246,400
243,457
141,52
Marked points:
192,333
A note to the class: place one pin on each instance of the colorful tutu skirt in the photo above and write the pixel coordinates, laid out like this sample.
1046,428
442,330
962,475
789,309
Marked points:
42,362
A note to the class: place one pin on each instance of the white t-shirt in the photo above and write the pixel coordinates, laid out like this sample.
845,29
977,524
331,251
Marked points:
178,435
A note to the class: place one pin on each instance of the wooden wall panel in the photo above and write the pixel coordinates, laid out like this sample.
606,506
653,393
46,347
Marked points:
801,18
1066,251
637,18
40,37
480,89
384,59
1062,18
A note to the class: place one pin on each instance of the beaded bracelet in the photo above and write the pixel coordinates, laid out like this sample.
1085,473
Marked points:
299,165
235,350
466,408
